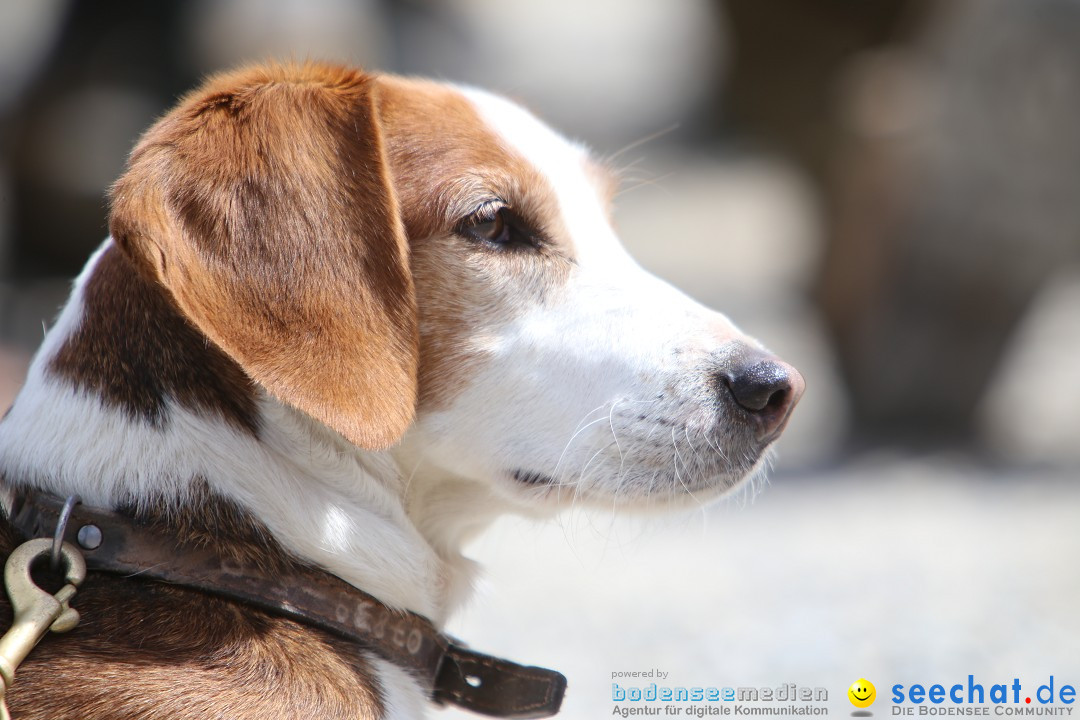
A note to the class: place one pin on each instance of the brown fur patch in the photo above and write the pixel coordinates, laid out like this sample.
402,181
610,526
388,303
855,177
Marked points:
203,518
148,651
135,351
262,203
445,162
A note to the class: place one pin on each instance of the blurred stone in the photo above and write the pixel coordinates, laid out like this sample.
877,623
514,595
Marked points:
112,70
83,138
28,32
1032,412
953,207
14,363
736,229
608,71
27,309
220,34
787,56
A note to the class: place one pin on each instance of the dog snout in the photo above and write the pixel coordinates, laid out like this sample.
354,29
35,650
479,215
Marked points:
765,387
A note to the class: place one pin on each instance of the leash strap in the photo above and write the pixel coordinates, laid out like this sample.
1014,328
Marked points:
448,672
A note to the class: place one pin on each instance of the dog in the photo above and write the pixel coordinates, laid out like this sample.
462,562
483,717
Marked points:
346,320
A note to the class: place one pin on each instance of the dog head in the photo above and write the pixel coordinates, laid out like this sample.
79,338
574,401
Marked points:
398,258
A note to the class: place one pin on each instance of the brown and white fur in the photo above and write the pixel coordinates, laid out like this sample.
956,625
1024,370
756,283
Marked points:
305,342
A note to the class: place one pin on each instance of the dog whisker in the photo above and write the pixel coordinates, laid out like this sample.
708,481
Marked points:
582,427
642,141
645,183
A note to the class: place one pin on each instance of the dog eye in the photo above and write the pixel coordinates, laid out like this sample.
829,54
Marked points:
497,225
495,230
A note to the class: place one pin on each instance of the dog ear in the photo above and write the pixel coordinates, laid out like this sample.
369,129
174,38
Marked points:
263,205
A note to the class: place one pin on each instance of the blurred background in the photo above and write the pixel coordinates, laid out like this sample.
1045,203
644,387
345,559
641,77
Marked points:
886,193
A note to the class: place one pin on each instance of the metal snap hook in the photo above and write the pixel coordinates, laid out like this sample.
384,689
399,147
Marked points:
61,528
36,611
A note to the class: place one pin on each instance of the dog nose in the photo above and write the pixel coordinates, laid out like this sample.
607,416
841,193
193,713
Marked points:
766,387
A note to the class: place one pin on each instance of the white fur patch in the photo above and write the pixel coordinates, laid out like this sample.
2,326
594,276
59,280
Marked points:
319,497
403,698
606,390
322,498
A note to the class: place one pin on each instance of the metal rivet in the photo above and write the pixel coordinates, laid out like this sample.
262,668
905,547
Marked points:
89,536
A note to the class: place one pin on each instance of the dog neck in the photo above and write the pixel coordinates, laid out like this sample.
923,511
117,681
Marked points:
131,408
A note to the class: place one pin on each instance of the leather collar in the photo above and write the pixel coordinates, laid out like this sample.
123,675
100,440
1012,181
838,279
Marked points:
448,672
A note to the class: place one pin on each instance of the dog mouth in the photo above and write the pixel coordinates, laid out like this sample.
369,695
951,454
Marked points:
634,489
532,478
625,481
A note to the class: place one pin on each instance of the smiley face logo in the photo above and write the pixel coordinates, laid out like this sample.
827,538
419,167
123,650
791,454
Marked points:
862,693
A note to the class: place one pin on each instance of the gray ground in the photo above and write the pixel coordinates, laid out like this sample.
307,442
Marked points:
900,571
